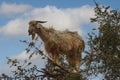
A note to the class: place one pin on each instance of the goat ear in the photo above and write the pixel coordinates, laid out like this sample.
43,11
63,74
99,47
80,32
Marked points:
41,21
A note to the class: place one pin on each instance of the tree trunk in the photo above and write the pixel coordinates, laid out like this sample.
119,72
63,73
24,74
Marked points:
73,76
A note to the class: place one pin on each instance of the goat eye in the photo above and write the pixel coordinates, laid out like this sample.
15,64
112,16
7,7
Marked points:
33,24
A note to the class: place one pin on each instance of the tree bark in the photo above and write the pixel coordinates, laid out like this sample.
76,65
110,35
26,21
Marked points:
73,76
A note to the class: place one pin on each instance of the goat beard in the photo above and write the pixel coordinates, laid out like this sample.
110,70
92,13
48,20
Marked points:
32,35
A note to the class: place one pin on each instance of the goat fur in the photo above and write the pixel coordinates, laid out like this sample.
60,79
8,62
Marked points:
59,42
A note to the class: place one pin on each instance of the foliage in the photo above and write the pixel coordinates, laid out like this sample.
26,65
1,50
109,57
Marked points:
26,71
103,56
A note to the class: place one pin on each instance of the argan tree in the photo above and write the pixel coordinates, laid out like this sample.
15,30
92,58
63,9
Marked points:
103,56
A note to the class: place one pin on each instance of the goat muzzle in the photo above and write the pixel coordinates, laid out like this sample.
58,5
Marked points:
32,34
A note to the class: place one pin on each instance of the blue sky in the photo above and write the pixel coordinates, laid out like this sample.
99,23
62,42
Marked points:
61,14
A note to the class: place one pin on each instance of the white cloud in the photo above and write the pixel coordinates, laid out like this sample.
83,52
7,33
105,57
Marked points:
69,18
35,59
14,27
21,56
8,9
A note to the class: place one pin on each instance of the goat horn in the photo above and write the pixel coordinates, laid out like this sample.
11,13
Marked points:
41,21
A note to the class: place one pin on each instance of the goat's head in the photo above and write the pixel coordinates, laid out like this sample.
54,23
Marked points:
33,26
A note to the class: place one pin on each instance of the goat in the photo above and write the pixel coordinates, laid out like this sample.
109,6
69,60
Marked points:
59,42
